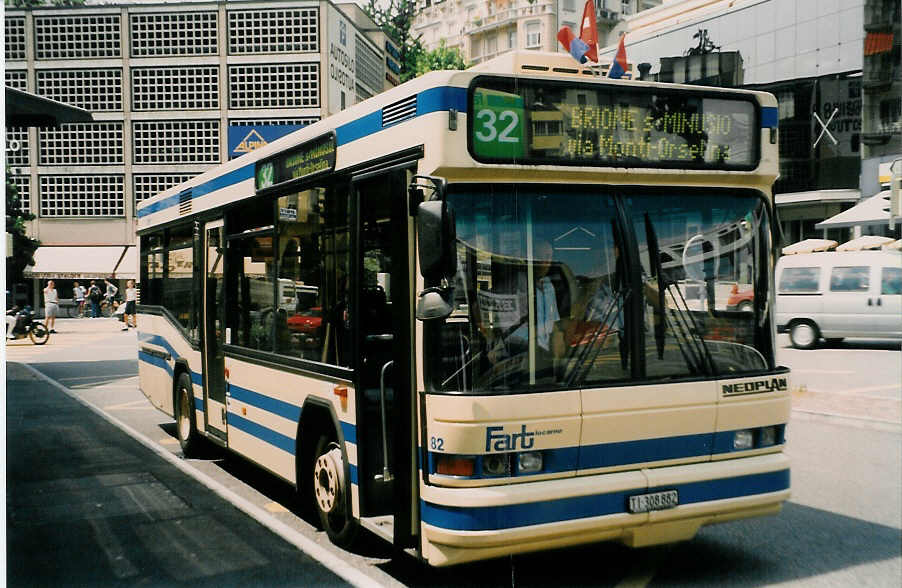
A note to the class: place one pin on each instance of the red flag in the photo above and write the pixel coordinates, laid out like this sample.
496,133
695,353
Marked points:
620,65
588,31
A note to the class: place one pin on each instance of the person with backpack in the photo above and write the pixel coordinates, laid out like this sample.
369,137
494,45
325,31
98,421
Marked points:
94,297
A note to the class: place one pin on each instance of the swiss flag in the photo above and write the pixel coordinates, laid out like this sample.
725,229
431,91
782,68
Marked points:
588,31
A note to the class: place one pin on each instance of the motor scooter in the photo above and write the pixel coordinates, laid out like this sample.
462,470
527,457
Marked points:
27,326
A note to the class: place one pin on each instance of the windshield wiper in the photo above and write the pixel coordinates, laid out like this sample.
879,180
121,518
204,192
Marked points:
586,356
680,318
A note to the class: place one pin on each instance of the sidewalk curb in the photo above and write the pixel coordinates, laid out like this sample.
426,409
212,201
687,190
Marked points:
317,552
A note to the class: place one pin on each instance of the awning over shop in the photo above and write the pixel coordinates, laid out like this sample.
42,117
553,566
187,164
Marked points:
809,246
116,261
128,265
871,211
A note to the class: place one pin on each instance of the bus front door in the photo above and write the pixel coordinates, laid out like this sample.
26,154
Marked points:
384,342
214,332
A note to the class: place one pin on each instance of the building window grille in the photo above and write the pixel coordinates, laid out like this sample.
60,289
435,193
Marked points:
23,185
273,31
94,195
17,78
369,66
171,34
274,86
184,141
91,89
149,185
77,37
175,88
14,42
17,146
82,144
266,122
362,93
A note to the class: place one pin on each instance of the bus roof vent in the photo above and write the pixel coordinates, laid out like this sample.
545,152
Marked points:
399,111
185,202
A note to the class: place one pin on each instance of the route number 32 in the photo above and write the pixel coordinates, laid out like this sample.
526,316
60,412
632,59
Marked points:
488,123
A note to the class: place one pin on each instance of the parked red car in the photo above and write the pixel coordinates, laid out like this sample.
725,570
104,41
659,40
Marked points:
741,299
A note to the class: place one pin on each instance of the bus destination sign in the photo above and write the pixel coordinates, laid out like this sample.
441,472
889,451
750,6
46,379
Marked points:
311,158
546,122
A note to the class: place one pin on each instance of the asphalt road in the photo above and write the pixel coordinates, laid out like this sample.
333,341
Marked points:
842,527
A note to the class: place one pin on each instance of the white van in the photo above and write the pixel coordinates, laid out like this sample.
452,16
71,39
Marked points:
837,294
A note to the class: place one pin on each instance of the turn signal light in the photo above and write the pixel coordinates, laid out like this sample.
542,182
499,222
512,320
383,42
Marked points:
454,465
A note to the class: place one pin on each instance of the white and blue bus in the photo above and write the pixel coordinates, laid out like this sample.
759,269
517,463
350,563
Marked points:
497,349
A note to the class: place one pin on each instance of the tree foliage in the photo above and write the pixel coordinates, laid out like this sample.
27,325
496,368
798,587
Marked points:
440,58
396,19
23,246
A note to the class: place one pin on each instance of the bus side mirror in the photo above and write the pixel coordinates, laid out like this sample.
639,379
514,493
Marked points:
436,240
437,250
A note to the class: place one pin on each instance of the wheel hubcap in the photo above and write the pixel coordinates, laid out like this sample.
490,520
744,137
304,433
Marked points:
328,480
804,334
184,417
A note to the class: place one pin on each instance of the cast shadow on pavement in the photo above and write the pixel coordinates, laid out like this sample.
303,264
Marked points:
799,544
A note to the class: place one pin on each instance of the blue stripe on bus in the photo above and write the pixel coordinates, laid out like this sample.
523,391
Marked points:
283,442
267,403
644,450
160,342
490,518
155,361
235,176
622,453
769,117
349,432
443,98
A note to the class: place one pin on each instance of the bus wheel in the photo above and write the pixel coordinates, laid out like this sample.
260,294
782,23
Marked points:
184,416
331,494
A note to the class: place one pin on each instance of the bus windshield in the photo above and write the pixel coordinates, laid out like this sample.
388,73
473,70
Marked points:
566,287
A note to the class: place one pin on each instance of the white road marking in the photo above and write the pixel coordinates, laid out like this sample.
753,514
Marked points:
131,376
136,405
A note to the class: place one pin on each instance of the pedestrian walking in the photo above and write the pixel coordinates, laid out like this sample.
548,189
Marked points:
131,301
78,292
95,296
51,305
110,294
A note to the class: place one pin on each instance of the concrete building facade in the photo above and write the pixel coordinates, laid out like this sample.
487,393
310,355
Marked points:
175,89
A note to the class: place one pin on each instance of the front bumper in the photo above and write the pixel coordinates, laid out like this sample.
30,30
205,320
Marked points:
466,524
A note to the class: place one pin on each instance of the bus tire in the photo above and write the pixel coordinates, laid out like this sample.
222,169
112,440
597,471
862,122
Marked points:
331,493
185,427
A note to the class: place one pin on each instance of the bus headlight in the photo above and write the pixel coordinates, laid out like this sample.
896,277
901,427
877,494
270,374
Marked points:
496,464
529,462
743,439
